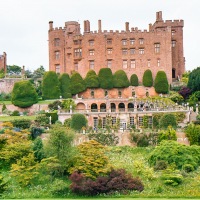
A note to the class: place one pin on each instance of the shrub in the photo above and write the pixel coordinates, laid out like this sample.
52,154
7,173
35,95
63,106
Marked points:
193,82
77,84
134,80
59,188
53,115
42,120
64,80
105,78
172,179
50,86
3,107
185,92
15,113
160,165
38,150
78,121
147,79
168,120
3,185
91,79
120,79
55,105
35,132
67,122
116,181
161,83
141,139
24,94
21,123
188,168
193,133
169,134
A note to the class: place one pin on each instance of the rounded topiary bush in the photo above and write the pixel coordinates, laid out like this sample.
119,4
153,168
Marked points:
120,79
64,80
105,78
161,83
77,83
78,121
24,94
91,79
134,80
147,79
168,120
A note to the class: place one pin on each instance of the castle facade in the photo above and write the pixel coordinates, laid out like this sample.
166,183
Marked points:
3,61
132,50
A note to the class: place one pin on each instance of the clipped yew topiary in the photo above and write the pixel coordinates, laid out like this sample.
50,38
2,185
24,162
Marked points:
134,80
24,94
91,79
161,83
147,79
77,83
65,86
50,86
120,79
105,78
78,121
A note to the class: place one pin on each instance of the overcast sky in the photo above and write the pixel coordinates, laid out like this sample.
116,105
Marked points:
24,24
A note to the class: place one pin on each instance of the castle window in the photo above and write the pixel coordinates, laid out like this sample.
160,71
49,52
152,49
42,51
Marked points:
109,63
92,93
77,42
158,62
57,55
157,47
141,51
124,51
132,41
95,120
109,51
173,32
124,64
105,93
56,42
148,63
91,64
91,42
124,42
77,52
131,120
133,64
109,41
119,93
91,52
76,66
173,43
132,51
57,69
141,41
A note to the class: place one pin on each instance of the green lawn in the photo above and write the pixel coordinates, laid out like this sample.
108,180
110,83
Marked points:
10,118
115,198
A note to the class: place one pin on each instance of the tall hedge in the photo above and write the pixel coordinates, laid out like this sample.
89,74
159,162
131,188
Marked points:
24,94
105,78
120,79
161,83
78,121
147,79
65,86
50,86
77,83
91,79
134,80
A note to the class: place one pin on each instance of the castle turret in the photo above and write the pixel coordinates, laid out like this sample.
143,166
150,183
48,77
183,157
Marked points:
99,26
127,26
50,25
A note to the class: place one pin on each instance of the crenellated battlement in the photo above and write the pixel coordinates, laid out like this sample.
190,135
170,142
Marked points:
172,23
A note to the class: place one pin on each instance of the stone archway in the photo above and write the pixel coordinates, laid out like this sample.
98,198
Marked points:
103,107
94,107
80,107
121,107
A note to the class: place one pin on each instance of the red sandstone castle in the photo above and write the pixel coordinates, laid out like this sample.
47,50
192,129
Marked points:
133,50
3,61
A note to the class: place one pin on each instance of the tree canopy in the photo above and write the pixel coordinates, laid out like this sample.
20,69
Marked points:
194,80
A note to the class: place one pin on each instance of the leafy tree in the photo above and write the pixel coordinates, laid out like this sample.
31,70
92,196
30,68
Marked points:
176,97
120,79
91,79
21,123
55,105
3,185
185,92
91,160
28,74
65,86
38,149
134,80
161,83
13,69
194,80
39,72
68,104
78,121
168,120
193,133
50,86
59,145
24,94
77,83
105,78
147,79
169,134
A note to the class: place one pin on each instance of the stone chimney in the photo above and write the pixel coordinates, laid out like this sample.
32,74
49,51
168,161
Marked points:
99,26
50,25
86,26
127,26
159,16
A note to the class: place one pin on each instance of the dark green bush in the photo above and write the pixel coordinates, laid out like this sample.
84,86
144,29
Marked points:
35,132
134,80
194,80
172,179
54,116
21,123
50,86
161,83
64,80
147,79
120,79
42,120
105,78
67,122
24,94
55,105
168,120
15,113
91,79
78,121
188,168
77,84
160,165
